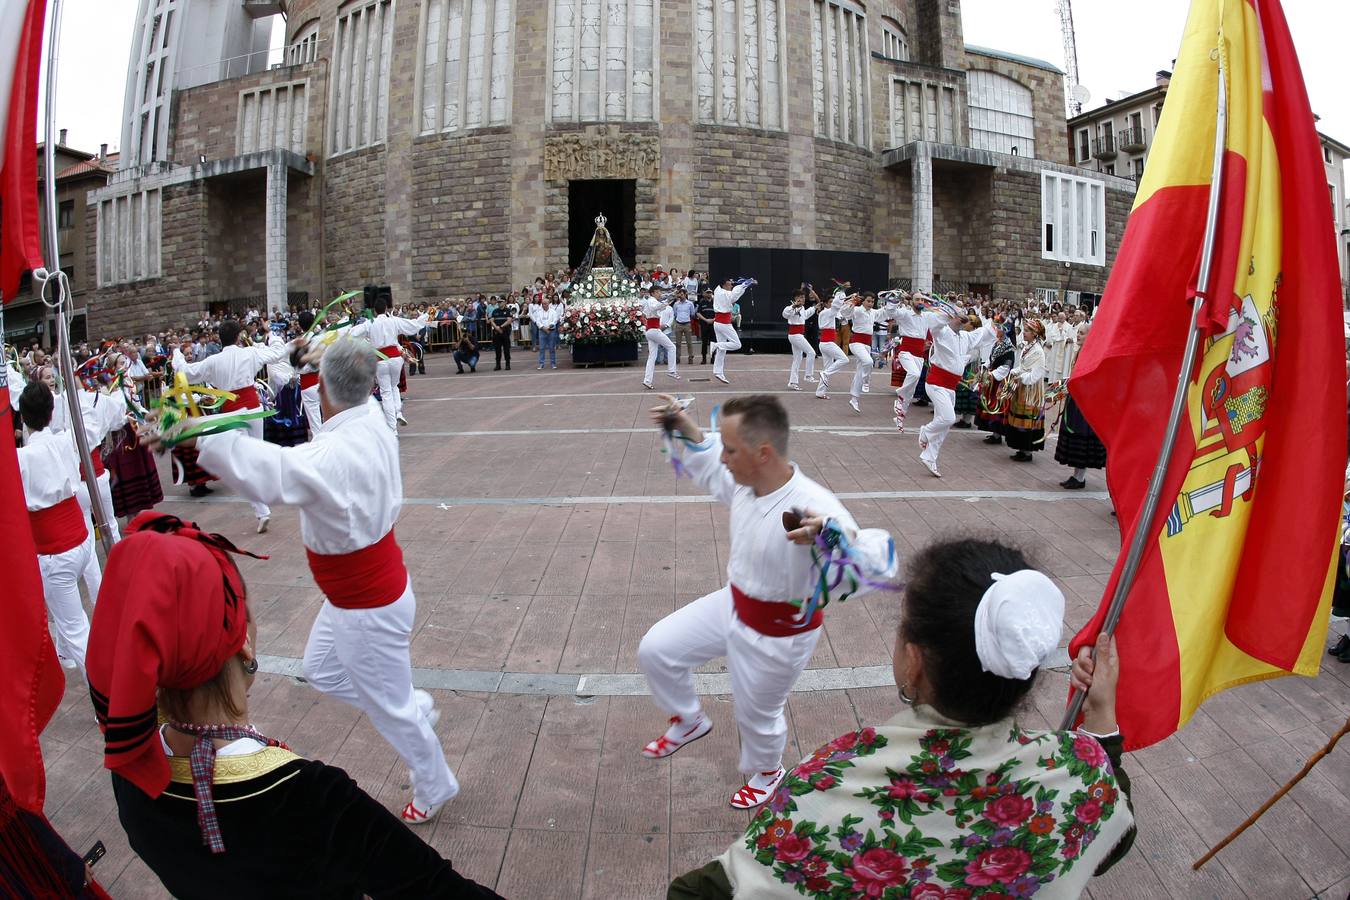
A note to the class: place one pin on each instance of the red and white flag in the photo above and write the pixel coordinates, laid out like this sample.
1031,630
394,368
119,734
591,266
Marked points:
33,679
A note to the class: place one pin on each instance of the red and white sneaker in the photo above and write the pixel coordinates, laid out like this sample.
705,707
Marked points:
679,733
758,789
413,815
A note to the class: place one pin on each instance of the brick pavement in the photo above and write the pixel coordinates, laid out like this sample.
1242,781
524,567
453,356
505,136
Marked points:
513,577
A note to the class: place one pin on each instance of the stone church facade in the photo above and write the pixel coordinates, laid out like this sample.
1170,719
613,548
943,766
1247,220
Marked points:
452,146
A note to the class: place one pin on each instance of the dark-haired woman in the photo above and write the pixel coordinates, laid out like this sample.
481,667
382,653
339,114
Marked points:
993,399
1025,426
951,797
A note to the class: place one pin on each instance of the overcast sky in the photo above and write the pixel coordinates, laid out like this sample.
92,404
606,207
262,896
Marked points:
1121,44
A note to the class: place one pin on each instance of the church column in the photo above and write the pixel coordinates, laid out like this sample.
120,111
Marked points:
921,252
276,237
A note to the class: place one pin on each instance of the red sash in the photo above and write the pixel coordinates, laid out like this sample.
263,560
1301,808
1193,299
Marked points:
722,317
58,528
393,351
828,336
859,338
308,380
770,618
368,578
653,323
796,329
911,345
244,398
95,454
942,378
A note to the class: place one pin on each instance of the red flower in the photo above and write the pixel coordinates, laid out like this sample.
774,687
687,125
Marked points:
1009,810
824,784
810,767
929,891
868,736
1070,851
815,865
980,793
777,830
902,789
1002,864
929,765
845,741
1042,824
1103,791
819,884
792,848
875,870
1088,811
1089,751
939,748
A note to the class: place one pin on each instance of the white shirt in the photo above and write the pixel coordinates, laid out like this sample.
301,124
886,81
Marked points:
952,349
830,314
909,323
763,562
864,319
546,318
102,415
49,466
384,329
346,483
797,315
1030,366
724,300
652,308
232,368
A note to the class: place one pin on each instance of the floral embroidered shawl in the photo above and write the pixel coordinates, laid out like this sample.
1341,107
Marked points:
922,807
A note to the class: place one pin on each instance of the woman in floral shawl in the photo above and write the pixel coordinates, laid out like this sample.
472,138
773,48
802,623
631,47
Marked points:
951,799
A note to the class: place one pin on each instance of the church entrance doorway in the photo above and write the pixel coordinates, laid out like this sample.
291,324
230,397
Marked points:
616,199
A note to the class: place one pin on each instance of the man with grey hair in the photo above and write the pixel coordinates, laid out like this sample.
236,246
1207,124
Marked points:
348,489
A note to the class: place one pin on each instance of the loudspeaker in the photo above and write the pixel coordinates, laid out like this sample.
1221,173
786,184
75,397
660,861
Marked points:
374,293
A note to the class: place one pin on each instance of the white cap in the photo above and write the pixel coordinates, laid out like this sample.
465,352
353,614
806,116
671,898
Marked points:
1018,623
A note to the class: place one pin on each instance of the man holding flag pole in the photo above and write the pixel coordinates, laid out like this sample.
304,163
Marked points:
1230,231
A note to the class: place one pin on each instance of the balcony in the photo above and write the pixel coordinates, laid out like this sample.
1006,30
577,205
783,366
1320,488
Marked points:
1132,140
1104,147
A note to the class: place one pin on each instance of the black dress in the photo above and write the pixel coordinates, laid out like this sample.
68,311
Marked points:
292,827
1078,446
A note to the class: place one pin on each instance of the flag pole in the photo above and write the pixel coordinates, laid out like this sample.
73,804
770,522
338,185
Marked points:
61,300
1143,528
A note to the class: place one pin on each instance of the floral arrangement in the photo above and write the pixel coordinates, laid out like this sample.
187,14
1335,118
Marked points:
601,323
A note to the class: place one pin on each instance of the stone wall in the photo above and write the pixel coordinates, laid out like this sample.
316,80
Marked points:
461,214
237,262
892,227
204,120
741,195
354,221
845,203
1047,97
177,297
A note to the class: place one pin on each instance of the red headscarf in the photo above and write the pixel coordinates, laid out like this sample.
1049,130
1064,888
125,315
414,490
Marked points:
170,614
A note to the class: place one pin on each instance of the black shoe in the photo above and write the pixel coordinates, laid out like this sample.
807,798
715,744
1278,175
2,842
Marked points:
199,490
497,369
1072,484
1021,456
961,423
993,439
1342,649
508,367
473,369
459,371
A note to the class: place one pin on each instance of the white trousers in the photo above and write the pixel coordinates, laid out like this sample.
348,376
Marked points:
835,359
862,354
656,339
362,657
387,372
904,394
763,670
255,428
92,576
726,340
944,414
309,398
801,350
61,588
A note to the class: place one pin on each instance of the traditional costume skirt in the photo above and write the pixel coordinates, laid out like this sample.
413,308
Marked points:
288,427
993,412
1025,425
192,474
967,397
1078,446
133,475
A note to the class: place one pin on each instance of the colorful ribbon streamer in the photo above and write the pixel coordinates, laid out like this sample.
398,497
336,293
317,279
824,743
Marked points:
834,561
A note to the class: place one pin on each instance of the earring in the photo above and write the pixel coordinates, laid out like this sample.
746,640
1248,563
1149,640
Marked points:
251,667
905,698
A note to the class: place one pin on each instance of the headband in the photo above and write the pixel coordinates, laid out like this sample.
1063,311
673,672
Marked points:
1018,623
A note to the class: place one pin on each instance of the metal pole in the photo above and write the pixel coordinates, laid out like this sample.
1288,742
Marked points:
60,299
1144,527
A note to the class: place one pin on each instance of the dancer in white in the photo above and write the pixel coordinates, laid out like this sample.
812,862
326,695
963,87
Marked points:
912,325
796,313
827,315
383,332
49,467
235,369
348,489
756,620
726,339
955,338
309,384
864,315
652,310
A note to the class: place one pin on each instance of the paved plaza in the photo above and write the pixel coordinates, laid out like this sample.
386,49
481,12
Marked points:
545,533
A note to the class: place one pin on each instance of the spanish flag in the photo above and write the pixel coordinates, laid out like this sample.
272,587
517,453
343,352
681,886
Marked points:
1236,578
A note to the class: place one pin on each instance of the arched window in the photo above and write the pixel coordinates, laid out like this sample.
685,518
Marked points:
466,64
304,46
604,60
894,44
738,66
360,91
1001,114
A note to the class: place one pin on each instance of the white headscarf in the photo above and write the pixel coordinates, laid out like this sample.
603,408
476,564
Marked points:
1018,623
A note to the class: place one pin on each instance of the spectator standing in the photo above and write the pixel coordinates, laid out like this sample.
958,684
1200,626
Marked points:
706,316
547,317
501,322
684,310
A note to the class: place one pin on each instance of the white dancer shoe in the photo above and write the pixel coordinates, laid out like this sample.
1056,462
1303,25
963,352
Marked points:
811,379
675,375
931,466
401,420
853,402
426,705
648,385
758,789
679,733
867,388
263,522
721,378
793,387
414,815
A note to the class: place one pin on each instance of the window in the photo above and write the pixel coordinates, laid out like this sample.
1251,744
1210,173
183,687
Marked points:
893,42
360,98
129,238
738,66
838,71
604,60
1001,117
145,124
1047,295
1137,168
1326,153
272,117
305,47
1110,169
1073,216
1335,207
465,64
65,214
1084,145
922,111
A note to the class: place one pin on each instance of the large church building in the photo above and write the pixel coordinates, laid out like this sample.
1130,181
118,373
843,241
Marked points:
452,146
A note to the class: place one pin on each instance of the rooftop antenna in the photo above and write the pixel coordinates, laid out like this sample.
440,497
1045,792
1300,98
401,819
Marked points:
1075,93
